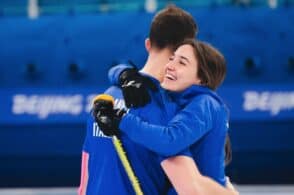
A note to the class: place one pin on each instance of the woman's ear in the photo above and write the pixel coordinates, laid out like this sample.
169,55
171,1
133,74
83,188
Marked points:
199,82
147,44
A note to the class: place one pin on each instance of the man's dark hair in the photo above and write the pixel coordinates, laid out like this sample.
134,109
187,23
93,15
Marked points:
170,27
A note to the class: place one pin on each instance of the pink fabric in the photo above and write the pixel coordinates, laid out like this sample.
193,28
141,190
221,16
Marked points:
84,172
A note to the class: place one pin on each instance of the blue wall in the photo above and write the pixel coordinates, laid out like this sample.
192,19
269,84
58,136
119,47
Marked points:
68,56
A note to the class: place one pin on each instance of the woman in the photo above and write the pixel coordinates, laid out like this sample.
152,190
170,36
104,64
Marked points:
195,70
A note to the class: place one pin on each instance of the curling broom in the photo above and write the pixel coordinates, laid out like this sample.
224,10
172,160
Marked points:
120,150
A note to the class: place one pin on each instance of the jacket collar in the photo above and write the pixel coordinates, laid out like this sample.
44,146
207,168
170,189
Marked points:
184,97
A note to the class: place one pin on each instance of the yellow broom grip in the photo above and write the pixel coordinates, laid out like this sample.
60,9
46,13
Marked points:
126,164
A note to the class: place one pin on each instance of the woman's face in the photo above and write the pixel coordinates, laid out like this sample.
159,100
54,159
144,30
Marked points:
181,71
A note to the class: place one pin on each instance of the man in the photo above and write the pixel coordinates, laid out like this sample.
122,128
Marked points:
102,172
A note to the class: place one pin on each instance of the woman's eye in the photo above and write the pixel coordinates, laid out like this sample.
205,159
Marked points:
182,63
171,58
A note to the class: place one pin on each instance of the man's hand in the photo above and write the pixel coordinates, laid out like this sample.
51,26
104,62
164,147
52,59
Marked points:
135,87
108,119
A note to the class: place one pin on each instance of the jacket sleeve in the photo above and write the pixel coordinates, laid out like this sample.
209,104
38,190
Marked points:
187,127
114,73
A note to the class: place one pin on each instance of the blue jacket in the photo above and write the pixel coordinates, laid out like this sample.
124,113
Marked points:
200,124
106,173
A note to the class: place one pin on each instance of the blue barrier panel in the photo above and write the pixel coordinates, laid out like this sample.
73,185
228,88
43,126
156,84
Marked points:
51,67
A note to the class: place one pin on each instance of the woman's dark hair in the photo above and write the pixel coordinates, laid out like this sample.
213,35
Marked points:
228,150
211,71
211,63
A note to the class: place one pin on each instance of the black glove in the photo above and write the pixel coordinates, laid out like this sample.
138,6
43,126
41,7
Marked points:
135,87
108,119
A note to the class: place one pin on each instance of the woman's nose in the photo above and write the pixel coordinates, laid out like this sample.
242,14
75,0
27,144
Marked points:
170,65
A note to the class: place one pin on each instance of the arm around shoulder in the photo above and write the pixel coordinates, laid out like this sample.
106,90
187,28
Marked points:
187,180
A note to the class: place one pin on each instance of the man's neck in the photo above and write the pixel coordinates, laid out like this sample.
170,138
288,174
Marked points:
155,63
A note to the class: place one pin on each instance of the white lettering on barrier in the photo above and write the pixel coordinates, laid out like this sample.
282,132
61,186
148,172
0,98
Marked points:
45,105
89,102
273,102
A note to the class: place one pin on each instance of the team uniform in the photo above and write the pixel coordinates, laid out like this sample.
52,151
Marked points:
201,124
106,173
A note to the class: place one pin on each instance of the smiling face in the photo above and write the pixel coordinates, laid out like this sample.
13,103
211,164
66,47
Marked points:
181,71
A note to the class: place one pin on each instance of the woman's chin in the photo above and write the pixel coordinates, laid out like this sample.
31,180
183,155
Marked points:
168,86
